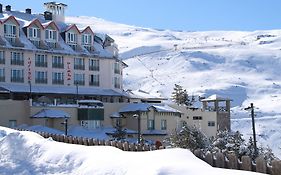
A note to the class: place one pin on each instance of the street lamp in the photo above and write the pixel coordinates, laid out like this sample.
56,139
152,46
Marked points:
251,107
77,92
65,123
139,132
29,82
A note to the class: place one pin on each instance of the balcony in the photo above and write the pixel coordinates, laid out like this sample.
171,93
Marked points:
2,79
17,62
56,81
79,67
41,81
41,64
94,68
58,65
94,83
17,79
79,82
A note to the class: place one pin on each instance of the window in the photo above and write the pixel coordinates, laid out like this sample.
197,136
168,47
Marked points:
71,37
34,33
40,77
10,30
211,123
150,124
57,62
17,76
197,118
79,63
163,124
51,35
57,78
40,60
12,123
2,57
183,124
117,68
79,79
17,58
86,39
94,80
94,65
117,82
2,75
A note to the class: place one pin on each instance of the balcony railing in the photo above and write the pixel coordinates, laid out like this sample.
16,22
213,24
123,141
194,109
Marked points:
2,79
17,79
58,65
52,45
41,81
41,64
55,81
94,68
2,61
94,83
17,62
79,82
79,67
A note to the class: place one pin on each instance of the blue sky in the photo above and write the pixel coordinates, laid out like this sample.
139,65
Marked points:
201,15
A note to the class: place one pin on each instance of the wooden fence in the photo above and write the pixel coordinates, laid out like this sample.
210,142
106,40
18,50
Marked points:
220,160
230,161
125,146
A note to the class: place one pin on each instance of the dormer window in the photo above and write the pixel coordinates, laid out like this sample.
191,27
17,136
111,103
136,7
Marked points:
71,37
51,35
34,33
86,39
10,30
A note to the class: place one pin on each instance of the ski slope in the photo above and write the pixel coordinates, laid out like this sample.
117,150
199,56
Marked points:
242,65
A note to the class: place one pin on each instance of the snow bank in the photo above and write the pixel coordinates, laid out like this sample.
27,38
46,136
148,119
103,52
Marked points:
27,153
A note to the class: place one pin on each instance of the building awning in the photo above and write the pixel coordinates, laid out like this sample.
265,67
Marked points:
4,90
144,107
51,113
61,90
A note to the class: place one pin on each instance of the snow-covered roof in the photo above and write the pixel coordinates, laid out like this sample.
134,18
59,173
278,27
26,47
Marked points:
215,97
61,90
51,113
144,107
116,115
140,94
154,132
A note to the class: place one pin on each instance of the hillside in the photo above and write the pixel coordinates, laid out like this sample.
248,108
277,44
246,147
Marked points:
244,66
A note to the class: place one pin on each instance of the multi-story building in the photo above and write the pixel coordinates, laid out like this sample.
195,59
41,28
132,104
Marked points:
42,55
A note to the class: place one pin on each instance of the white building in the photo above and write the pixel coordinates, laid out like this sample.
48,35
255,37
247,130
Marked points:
42,55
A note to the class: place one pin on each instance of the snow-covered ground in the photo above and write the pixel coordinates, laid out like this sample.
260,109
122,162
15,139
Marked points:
27,153
244,66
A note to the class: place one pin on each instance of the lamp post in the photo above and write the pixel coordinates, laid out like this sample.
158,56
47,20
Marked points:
29,82
251,107
65,123
77,92
139,126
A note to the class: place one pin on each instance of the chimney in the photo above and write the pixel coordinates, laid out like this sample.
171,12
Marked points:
28,11
8,8
57,10
1,8
48,15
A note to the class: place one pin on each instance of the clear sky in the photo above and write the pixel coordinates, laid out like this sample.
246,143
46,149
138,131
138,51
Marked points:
201,15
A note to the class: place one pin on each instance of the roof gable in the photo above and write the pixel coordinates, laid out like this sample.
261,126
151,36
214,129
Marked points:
11,18
36,22
73,26
87,29
52,23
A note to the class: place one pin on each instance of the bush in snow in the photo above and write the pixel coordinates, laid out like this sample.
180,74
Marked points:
188,137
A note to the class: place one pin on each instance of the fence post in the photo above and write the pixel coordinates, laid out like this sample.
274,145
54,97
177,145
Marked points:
276,167
246,163
220,161
260,165
91,142
209,158
126,146
232,161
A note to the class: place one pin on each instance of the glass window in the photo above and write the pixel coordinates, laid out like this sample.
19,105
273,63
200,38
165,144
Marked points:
10,30
41,77
79,63
17,75
94,80
2,57
117,82
2,75
34,33
94,65
57,61
12,123
86,39
163,124
58,78
17,58
211,123
79,79
197,117
150,124
71,37
40,60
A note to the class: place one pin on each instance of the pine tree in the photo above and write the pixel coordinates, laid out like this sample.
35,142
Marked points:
181,97
189,138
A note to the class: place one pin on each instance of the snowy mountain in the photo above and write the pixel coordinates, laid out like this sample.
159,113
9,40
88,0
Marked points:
244,66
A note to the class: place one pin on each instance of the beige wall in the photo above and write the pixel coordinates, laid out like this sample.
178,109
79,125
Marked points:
14,110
